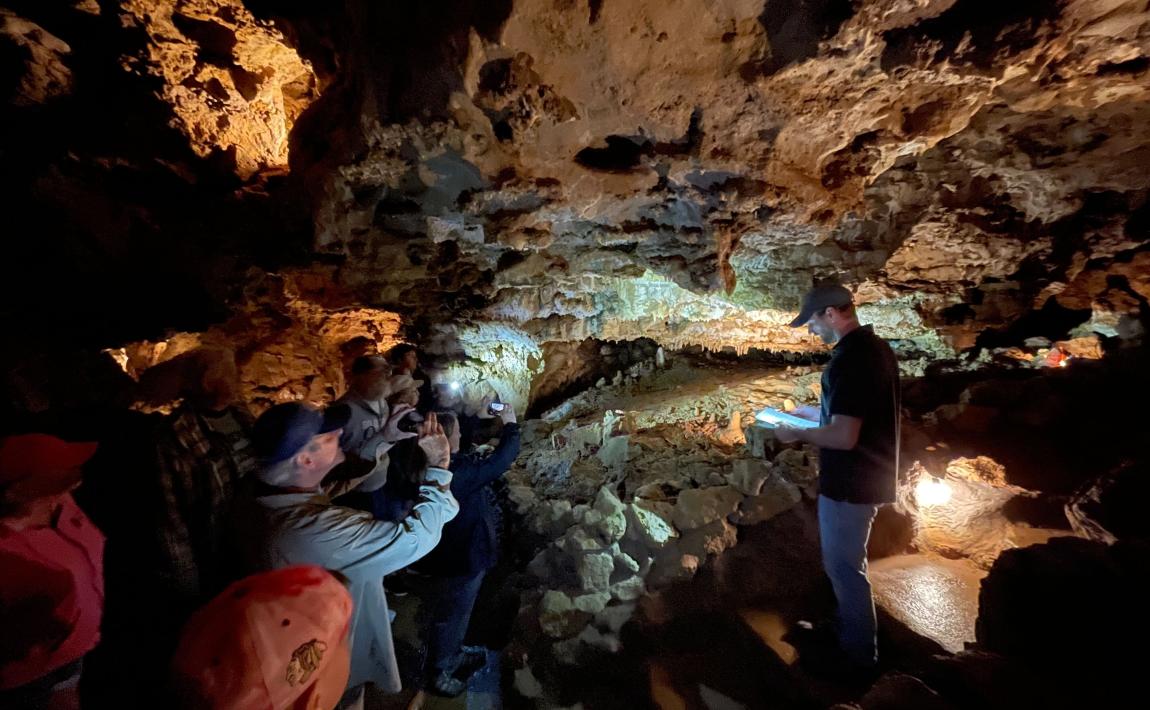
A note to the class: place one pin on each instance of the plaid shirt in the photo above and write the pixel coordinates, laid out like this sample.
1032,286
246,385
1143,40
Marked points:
201,460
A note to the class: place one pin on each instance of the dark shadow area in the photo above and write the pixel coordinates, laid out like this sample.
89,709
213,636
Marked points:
995,30
1053,429
794,29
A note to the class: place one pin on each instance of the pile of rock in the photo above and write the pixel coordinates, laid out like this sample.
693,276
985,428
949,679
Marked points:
599,557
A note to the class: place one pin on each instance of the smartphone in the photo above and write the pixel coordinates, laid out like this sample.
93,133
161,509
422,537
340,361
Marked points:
496,407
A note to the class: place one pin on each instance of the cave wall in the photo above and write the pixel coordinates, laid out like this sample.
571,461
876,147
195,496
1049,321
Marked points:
574,170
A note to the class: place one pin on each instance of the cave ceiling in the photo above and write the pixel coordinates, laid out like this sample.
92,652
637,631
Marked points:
581,168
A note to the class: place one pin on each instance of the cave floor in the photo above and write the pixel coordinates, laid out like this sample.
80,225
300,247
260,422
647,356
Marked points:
936,598
769,581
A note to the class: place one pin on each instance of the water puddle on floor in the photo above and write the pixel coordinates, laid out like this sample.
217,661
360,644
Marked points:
937,598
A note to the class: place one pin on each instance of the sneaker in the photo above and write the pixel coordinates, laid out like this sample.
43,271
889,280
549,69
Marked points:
472,659
446,685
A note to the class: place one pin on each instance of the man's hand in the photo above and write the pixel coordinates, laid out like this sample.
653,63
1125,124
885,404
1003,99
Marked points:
391,432
805,411
485,408
434,443
508,414
786,434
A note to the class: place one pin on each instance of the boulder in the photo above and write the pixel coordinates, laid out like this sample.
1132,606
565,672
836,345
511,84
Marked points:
594,570
748,475
710,539
551,517
558,617
661,490
579,513
650,523
629,589
526,683
699,506
595,638
625,565
522,497
1112,507
898,691
579,540
613,452
1074,605
795,466
777,496
672,565
613,617
591,603
612,522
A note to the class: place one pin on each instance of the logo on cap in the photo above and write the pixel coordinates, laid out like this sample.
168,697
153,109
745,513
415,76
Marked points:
304,661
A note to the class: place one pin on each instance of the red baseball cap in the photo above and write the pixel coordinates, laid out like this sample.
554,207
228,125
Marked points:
43,457
273,640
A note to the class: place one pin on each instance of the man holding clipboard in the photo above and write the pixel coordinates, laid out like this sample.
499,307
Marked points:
857,435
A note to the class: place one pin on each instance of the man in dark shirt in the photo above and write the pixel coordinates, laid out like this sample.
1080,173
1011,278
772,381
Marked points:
857,438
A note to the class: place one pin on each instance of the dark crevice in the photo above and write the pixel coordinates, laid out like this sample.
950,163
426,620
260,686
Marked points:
1053,321
594,7
689,143
246,82
216,42
495,76
794,29
1130,66
978,33
622,153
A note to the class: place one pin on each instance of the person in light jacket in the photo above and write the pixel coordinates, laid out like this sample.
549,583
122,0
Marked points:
288,519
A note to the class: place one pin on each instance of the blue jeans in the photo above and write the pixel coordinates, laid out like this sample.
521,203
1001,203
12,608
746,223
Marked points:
844,529
449,604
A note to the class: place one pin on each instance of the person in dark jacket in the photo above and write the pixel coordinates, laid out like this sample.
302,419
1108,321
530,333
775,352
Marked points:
469,548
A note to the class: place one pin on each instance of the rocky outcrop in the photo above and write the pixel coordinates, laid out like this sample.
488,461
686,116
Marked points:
623,503
960,513
1107,509
40,72
293,338
234,84
635,170
871,154
1030,592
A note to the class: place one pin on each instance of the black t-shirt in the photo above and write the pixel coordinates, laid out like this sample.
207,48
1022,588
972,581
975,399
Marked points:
862,381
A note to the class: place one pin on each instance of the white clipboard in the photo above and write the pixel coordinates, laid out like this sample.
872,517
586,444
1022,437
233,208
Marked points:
773,417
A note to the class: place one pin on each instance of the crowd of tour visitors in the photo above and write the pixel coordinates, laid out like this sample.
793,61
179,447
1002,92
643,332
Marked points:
201,559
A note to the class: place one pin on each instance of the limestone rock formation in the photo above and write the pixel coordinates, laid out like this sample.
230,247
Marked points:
960,514
42,73
235,85
541,173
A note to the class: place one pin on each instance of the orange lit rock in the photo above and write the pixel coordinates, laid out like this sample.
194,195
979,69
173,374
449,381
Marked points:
44,74
235,86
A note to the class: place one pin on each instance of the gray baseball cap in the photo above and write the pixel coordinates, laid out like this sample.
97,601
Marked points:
821,297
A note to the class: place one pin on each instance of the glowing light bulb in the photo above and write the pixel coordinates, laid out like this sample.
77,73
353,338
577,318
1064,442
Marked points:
931,491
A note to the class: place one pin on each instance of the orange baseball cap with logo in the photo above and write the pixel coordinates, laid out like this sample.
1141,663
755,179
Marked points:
271,641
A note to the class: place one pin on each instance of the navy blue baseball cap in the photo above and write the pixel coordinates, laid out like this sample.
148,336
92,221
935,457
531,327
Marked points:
283,430
819,298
